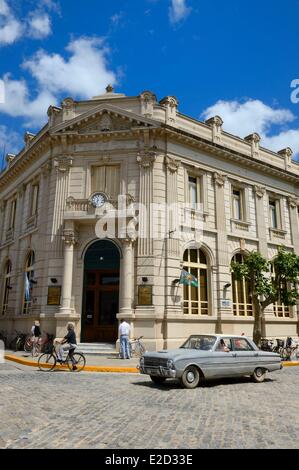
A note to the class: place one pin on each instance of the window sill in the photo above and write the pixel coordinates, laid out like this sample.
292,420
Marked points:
31,222
277,233
240,224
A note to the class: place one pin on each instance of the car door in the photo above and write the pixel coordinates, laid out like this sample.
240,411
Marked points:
246,356
222,364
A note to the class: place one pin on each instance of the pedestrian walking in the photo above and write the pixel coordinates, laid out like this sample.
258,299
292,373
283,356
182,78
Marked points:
36,334
124,334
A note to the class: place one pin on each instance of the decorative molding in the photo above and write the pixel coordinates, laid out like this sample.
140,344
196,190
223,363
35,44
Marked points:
254,139
70,237
147,158
63,164
293,201
173,164
46,169
260,191
220,178
216,124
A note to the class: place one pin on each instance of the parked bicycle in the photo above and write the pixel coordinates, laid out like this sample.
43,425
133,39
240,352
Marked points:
287,349
74,361
42,345
18,342
137,348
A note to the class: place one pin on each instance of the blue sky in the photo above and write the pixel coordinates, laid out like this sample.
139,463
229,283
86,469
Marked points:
235,58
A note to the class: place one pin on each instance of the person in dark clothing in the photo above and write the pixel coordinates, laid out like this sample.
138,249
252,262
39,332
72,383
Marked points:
68,343
36,334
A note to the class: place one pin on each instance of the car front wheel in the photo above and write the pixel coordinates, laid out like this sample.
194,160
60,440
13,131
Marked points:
190,377
157,380
259,375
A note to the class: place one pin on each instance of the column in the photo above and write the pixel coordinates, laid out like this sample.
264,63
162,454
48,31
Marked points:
262,233
127,276
223,261
294,222
70,240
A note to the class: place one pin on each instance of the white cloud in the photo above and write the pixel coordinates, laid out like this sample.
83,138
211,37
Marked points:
10,28
39,25
178,11
84,74
251,116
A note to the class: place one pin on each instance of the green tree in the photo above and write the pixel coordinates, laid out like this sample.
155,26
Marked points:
266,288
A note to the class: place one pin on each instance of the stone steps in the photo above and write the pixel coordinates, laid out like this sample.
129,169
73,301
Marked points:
99,349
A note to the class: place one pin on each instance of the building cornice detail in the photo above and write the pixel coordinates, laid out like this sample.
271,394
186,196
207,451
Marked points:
260,191
146,158
293,201
63,164
220,178
173,164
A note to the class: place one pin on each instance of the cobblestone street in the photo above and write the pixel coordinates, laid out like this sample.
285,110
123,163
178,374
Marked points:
64,410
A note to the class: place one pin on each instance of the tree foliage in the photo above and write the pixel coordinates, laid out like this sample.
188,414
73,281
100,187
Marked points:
269,282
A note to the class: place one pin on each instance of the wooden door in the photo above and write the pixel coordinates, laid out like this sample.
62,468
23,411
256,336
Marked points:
100,306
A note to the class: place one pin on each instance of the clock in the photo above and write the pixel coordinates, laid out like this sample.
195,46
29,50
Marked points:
98,199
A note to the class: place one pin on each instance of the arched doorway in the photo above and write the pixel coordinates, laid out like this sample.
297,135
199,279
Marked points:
100,293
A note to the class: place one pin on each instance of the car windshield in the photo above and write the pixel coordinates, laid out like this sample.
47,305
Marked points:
201,342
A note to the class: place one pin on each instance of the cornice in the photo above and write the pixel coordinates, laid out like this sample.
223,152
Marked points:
231,154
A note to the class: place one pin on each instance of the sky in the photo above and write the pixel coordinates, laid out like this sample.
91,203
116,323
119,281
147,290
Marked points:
237,59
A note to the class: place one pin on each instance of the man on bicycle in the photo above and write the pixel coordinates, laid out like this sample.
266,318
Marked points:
69,343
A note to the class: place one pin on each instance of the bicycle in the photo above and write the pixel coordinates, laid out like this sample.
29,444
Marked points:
41,346
137,348
17,344
75,361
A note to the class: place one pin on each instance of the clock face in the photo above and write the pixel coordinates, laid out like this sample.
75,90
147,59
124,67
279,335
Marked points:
98,200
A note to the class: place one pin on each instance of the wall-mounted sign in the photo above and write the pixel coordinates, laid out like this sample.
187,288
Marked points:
54,294
225,303
145,295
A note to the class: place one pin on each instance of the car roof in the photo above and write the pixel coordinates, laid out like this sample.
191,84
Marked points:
219,335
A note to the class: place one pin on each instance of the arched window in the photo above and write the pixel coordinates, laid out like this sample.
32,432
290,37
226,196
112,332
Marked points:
196,299
279,309
6,286
241,299
28,285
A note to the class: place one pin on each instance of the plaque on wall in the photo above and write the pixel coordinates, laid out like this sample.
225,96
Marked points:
54,294
145,295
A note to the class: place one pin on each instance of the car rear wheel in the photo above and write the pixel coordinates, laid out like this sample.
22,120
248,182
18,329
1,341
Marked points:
157,380
259,375
190,377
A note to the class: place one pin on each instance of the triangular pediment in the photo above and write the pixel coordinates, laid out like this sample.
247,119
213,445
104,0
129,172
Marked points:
102,119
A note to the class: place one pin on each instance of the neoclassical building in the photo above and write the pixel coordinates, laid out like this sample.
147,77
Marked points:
61,192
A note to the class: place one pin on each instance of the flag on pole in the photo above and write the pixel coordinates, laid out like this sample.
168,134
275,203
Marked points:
188,279
27,288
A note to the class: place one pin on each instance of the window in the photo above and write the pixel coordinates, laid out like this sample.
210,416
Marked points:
279,309
6,287
194,198
106,179
34,199
237,204
12,216
196,299
242,304
273,214
241,344
28,284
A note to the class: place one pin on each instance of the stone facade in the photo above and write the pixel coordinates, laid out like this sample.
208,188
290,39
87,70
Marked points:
46,208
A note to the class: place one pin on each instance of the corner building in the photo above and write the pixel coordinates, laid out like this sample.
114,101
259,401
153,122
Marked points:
89,152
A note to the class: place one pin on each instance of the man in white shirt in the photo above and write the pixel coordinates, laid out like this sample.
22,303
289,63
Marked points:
124,334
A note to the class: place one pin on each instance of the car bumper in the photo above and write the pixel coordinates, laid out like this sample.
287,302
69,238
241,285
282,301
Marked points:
158,371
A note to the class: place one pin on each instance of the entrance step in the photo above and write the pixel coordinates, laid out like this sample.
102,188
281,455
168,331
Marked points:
99,349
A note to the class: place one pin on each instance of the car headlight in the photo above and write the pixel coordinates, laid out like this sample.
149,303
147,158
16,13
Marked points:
170,364
141,361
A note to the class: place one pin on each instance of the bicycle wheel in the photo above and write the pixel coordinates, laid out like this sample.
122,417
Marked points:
28,344
139,349
76,362
285,354
47,362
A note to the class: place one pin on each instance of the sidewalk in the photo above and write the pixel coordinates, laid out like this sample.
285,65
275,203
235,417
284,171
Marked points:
94,363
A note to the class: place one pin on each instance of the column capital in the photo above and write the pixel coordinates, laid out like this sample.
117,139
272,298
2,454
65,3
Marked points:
293,201
173,164
220,178
70,237
46,169
146,158
260,191
63,164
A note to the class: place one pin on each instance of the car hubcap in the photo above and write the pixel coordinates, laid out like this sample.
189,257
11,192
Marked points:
259,372
190,377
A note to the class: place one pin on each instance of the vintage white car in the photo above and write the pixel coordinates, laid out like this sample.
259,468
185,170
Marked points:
210,357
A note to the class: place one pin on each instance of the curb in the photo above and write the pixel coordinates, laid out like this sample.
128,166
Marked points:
24,362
